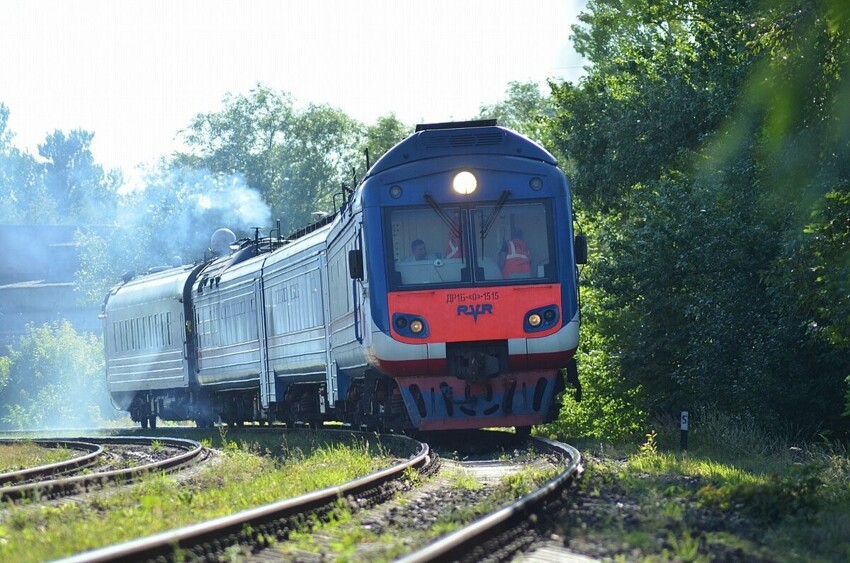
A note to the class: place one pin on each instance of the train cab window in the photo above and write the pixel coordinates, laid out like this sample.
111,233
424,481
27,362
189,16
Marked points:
513,242
450,246
426,247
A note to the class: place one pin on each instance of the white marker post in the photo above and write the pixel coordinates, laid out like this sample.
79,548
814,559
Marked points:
683,426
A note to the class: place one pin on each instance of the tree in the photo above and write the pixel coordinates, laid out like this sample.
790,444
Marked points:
525,110
83,192
665,75
678,137
54,377
384,134
320,158
21,182
296,159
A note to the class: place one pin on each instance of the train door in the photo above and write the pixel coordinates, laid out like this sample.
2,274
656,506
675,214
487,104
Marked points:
358,289
346,310
267,386
331,387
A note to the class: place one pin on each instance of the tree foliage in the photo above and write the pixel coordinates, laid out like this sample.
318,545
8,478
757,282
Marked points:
296,158
709,149
81,190
22,185
387,131
526,110
54,378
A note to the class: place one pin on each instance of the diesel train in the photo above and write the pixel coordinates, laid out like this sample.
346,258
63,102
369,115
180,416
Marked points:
441,295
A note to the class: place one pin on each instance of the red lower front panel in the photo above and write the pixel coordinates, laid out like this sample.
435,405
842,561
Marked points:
474,314
448,403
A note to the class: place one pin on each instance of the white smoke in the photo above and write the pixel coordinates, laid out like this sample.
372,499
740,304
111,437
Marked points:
229,195
178,210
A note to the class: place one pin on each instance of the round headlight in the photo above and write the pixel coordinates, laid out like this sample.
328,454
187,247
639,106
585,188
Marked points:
535,183
534,319
549,315
400,322
416,326
464,182
395,192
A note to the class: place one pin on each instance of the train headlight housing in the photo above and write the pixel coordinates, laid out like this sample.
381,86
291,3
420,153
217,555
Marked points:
464,182
410,326
535,184
395,191
542,318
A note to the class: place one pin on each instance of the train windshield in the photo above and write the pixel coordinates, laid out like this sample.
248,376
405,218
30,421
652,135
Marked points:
481,244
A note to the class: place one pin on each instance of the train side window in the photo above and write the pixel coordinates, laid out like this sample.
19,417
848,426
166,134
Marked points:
228,333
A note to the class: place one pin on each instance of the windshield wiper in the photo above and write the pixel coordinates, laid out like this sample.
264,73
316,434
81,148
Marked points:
446,219
492,218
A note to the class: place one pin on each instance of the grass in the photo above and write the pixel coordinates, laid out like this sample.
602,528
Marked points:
24,454
248,475
737,494
342,537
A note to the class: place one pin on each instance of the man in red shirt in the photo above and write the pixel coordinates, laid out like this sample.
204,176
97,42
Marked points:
514,257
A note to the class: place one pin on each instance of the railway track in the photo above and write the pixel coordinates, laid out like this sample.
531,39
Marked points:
254,528
104,460
501,535
258,534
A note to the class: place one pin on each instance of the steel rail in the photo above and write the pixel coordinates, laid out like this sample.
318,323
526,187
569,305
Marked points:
245,527
70,485
460,544
90,458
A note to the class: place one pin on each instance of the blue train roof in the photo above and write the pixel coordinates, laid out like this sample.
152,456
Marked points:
449,139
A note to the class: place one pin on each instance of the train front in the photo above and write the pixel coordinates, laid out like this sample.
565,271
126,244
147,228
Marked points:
473,292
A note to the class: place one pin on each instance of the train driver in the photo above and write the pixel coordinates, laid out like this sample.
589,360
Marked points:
418,251
514,257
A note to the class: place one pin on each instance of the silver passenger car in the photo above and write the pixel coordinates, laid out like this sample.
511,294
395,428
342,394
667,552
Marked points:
227,301
144,327
296,301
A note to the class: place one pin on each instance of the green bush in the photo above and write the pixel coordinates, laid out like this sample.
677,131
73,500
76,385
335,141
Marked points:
54,377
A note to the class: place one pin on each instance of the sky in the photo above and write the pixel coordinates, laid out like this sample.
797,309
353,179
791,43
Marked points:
135,72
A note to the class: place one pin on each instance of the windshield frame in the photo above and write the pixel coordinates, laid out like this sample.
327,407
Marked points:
437,271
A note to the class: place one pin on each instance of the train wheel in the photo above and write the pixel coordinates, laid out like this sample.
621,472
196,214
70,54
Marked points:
144,422
204,423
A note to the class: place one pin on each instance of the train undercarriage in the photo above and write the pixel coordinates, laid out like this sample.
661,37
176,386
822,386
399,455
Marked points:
373,402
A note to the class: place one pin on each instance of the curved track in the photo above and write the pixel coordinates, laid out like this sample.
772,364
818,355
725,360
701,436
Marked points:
208,540
63,486
93,453
498,536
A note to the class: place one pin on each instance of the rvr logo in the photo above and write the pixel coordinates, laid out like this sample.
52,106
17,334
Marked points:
475,310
